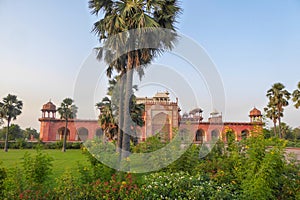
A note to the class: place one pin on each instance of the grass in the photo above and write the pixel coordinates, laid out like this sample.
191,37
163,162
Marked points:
61,161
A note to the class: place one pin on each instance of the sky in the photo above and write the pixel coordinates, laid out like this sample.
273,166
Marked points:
45,45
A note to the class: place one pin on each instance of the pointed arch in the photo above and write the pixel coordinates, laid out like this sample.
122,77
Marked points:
215,134
82,134
60,134
161,123
99,133
245,133
199,137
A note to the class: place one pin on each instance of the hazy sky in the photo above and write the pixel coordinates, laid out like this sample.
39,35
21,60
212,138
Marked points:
44,45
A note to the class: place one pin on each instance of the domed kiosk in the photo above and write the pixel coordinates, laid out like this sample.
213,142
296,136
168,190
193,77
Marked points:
49,110
255,115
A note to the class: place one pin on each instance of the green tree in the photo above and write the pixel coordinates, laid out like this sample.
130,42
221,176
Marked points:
120,16
29,132
296,133
67,110
10,108
286,131
278,99
296,96
15,132
266,133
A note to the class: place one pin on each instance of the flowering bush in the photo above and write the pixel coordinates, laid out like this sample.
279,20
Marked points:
70,187
116,189
180,185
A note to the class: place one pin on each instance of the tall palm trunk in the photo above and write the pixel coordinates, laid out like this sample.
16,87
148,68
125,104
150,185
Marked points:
65,137
279,120
274,121
6,137
121,114
135,137
127,118
279,127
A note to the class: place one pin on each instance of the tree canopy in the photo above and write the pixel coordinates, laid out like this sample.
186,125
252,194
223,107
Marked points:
10,108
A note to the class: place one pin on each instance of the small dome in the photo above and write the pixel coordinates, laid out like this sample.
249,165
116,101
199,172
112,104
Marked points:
214,112
196,110
255,112
185,115
49,106
162,95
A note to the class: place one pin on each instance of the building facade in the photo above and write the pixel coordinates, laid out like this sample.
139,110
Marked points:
161,116
52,128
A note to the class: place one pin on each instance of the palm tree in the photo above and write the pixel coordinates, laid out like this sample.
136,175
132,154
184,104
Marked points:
109,112
278,98
106,118
10,108
112,106
1,122
142,16
271,113
67,110
136,112
296,96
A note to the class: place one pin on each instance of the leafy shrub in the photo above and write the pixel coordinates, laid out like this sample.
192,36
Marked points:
100,154
188,161
14,184
3,176
32,181
293,144
58,145
68,187
262,170
76,145
37,168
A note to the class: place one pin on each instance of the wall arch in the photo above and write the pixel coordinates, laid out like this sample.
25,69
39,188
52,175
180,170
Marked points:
60,134
83,134
99,133
215,134
245,133
230,135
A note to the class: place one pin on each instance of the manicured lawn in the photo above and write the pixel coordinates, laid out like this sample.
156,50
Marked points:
61,161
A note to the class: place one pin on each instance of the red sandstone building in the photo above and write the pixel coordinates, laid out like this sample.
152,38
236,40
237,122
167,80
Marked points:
161,116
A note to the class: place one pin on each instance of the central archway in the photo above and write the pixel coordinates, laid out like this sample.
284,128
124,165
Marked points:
161,125
199,137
